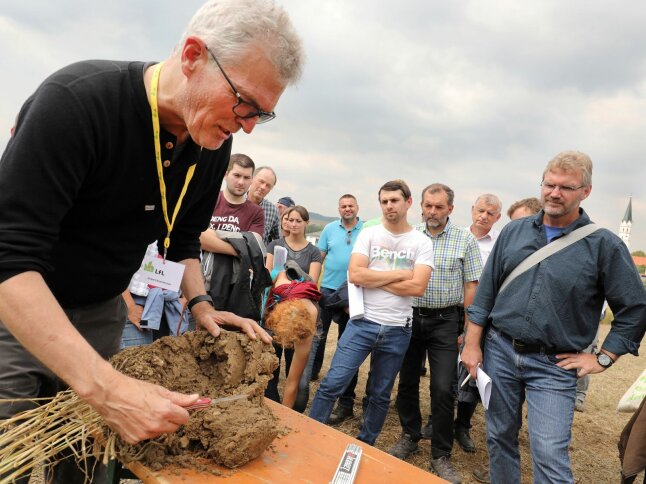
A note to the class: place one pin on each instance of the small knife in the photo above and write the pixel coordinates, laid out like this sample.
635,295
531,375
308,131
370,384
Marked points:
207,402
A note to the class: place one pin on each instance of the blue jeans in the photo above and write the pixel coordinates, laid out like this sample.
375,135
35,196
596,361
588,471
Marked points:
550,392
341,318
387,345
160,303
133,337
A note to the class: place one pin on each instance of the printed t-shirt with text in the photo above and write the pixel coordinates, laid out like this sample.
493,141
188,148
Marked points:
243,217
389,252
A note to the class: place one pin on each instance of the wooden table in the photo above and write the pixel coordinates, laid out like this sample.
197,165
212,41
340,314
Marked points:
309,453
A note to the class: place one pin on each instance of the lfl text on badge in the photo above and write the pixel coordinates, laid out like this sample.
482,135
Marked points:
159,273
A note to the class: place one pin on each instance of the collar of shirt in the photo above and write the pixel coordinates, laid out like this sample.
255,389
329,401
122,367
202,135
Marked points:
491,235
357,226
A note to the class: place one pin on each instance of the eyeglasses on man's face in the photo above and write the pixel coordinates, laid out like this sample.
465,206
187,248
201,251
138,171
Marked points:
244,109
550,187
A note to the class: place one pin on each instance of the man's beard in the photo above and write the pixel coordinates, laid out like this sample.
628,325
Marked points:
433,223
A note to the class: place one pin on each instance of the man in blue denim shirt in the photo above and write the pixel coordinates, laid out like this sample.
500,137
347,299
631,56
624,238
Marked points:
535,329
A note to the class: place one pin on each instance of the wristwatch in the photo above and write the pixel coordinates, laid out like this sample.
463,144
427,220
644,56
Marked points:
604,360
199,299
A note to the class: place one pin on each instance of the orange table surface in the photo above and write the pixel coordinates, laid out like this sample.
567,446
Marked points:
309,453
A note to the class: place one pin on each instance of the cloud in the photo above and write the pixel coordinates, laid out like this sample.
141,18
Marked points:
478,95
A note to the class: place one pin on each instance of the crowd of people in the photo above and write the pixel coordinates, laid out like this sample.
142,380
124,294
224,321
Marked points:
431,291
146,164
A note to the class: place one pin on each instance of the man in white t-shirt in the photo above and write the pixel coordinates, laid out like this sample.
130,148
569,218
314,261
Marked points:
392,262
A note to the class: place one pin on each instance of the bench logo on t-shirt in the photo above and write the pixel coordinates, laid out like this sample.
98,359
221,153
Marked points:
388,260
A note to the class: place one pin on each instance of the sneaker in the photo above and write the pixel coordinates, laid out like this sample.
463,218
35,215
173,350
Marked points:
464,439
481,474
443,468
340,414
404,447
578,405
427,431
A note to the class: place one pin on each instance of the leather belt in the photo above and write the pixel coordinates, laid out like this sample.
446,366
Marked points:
436,312
524,348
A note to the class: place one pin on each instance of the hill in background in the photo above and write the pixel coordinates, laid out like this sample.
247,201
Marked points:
318,221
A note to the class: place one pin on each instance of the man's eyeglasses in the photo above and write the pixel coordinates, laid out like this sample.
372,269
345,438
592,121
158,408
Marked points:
548,187
348,238
244,109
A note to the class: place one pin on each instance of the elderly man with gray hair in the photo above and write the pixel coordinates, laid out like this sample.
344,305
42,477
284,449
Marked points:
123,154
485,212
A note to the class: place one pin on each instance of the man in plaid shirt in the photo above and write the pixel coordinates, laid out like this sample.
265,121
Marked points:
437,317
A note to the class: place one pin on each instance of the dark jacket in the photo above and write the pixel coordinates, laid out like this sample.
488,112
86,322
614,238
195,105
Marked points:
237,283
338,299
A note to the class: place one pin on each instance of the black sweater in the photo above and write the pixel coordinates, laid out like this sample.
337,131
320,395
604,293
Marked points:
79,194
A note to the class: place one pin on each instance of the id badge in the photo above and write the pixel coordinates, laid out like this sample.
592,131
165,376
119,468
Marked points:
160,273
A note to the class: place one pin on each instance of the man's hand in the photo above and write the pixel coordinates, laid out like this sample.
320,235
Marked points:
585,363
472,353
134,315
211,320
471,358
139,410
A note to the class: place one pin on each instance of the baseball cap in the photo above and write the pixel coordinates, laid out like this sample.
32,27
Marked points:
287,201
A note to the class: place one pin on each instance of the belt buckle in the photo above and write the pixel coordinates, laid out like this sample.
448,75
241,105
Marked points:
519,346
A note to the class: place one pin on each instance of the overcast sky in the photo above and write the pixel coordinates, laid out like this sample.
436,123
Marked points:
477,95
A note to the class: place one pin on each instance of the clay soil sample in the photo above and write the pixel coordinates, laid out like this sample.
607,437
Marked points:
229,433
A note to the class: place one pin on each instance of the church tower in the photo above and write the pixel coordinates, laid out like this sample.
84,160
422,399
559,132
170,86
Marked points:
626,223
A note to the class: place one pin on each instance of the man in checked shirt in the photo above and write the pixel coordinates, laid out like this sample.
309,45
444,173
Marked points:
435,331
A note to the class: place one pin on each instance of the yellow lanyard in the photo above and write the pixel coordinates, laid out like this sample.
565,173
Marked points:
160,171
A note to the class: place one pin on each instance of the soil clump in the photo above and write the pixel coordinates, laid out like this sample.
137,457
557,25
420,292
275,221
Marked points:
230,433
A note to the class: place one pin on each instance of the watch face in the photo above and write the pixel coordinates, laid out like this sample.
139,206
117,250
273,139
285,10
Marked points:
604,360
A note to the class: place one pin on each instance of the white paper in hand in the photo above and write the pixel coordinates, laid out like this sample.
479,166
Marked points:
280,257
355,300
483,381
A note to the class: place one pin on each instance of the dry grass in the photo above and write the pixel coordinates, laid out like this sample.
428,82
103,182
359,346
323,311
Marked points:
63,424
595,432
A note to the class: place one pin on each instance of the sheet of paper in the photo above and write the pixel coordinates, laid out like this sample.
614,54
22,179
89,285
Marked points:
280,257
156,272
355,300
483,381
